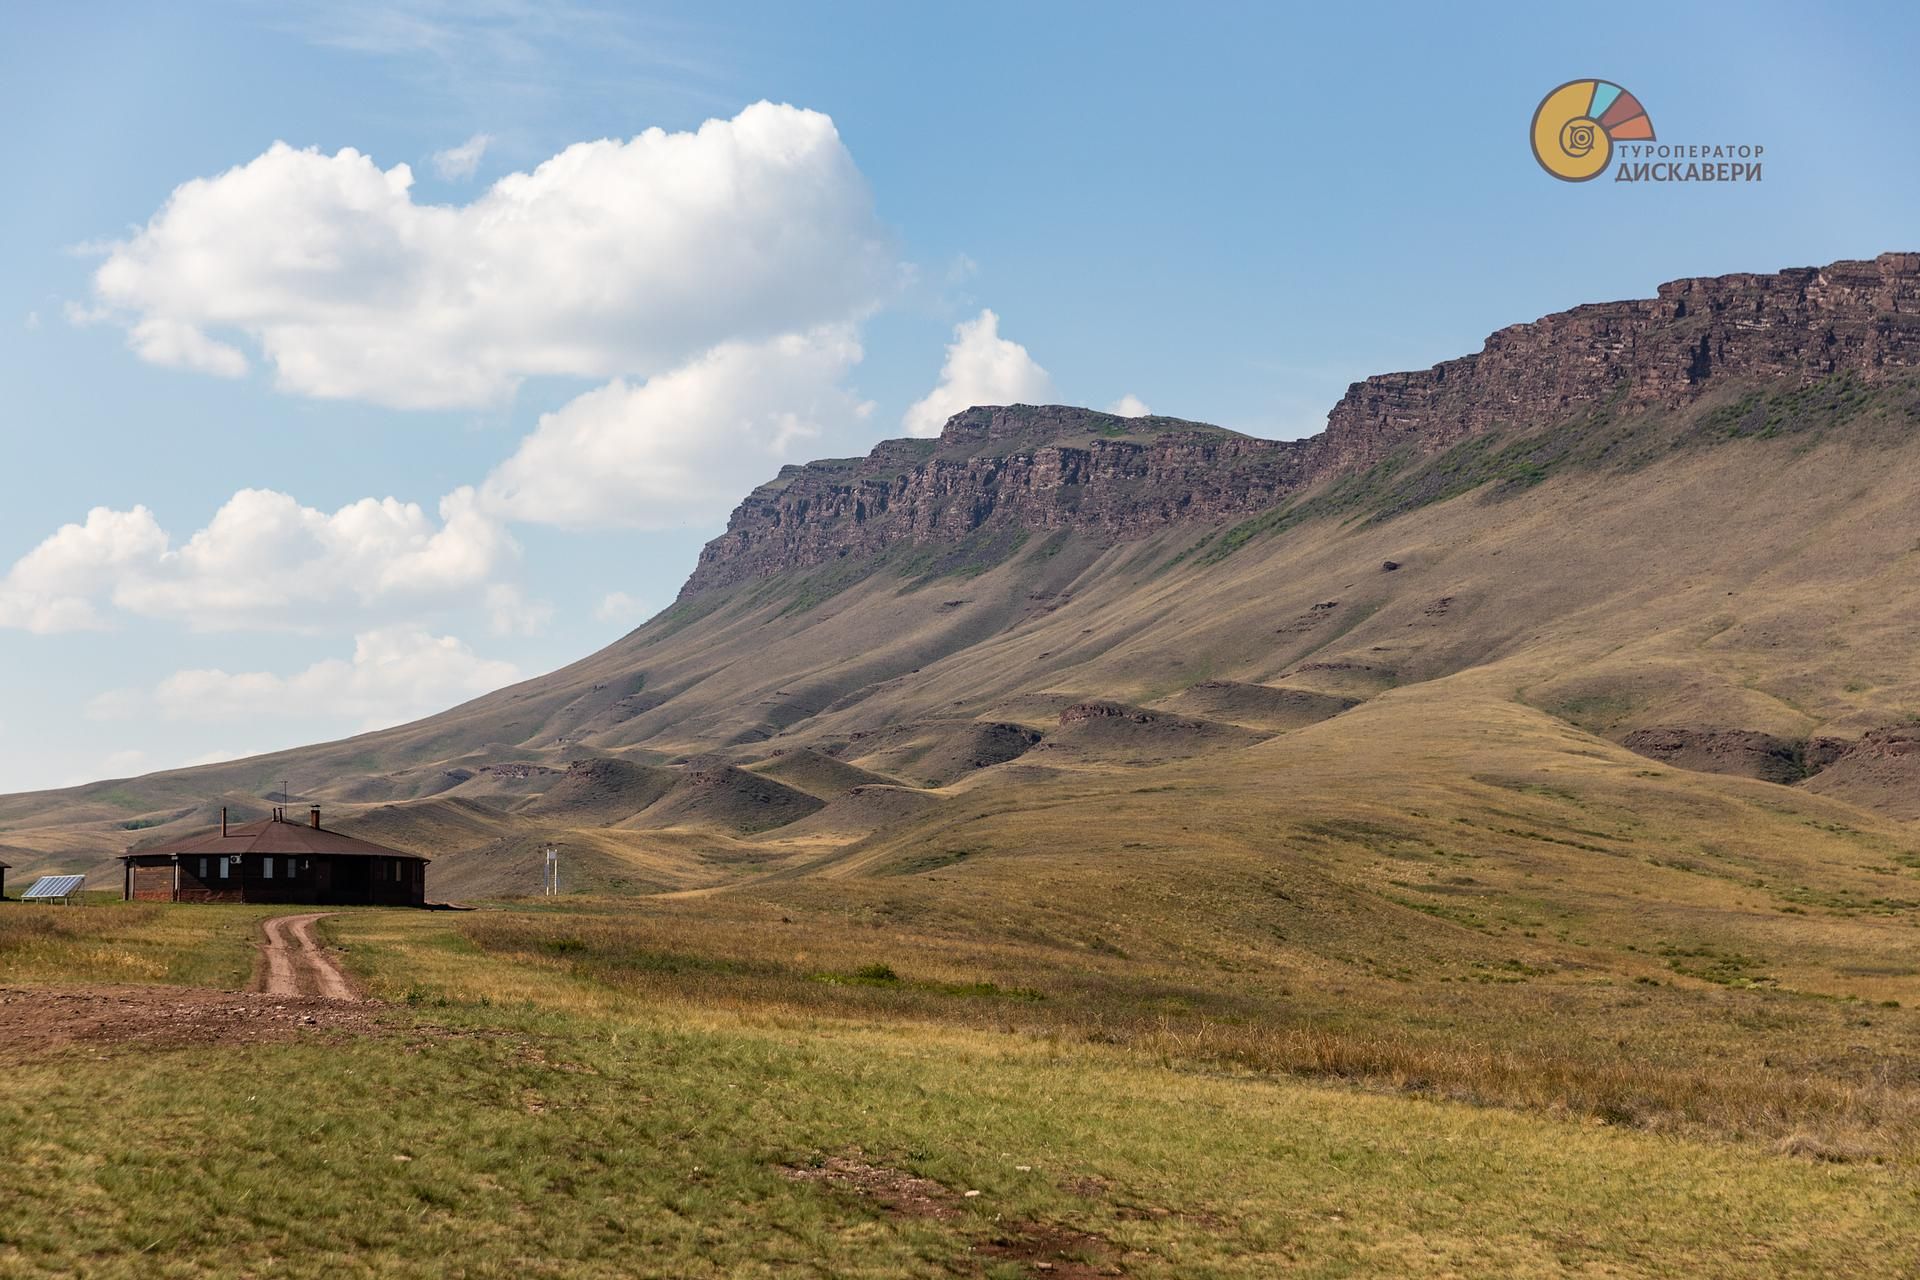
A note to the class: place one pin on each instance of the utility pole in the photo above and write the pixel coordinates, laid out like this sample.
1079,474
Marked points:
550,873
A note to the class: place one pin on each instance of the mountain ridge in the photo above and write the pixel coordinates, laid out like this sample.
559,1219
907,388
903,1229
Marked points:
1031,561
1039,468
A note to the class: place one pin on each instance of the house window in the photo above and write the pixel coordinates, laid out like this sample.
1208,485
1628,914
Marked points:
226,866
203,868
266,868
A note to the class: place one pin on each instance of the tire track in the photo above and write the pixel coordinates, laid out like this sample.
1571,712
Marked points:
295,964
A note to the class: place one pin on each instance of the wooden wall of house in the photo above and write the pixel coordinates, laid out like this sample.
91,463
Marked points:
201,881
322,880
152,883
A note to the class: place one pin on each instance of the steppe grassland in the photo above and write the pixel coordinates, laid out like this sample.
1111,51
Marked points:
536,1120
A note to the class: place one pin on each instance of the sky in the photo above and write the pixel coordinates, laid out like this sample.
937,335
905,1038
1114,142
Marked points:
358,359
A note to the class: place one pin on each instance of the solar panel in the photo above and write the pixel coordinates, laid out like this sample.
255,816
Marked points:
53,887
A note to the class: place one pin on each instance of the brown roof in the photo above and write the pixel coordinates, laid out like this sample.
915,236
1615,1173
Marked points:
275,835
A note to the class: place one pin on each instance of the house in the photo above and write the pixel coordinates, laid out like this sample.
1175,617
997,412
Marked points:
4,868
276,860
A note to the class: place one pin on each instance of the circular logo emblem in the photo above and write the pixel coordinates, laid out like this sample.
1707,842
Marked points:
1575,127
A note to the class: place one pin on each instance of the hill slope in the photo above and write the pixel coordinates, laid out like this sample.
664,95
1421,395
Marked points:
1686,525
1544,736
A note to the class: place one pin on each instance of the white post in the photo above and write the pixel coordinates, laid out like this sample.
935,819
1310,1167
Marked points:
550,873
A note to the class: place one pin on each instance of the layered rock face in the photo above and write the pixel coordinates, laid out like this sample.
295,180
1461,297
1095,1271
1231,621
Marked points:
1009,467
1044,468
1796,326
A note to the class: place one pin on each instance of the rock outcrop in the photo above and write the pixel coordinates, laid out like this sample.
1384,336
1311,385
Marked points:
1795,326
1025,467
1741,752
1042,468
1879,769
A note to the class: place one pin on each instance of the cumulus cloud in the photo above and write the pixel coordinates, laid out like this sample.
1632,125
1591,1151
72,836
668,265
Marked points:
264,560
52,588
611,259
982,368
170,341
396,674
680,448
460,162
1129,406
511,613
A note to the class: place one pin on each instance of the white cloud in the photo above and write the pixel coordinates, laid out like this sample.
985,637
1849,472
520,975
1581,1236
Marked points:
82,317
624,609
52,588
33,320
1129,406
115,704
981,368
264,560
526,53
460,162
612,259
680,448
395,674
511,613
169,341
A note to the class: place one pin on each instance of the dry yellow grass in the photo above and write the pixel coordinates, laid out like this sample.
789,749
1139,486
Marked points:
1685,1005
1763,584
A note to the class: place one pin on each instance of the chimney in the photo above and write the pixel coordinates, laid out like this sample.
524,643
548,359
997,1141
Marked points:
313,817
223,821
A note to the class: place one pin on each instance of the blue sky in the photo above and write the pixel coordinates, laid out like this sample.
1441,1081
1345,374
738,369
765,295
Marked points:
1228,213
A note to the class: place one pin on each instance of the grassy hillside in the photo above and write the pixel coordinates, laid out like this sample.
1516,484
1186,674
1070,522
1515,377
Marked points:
1740,574
1501,862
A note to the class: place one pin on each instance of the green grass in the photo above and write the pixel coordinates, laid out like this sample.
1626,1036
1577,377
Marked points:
969,557
1441,985
109,942
547,1124
1506,460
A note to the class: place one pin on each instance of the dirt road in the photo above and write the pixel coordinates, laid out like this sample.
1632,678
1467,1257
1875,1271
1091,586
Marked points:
40,1020
296,963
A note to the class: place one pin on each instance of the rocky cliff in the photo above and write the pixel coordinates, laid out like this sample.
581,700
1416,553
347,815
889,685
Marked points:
1041,468
1026,467
1795,326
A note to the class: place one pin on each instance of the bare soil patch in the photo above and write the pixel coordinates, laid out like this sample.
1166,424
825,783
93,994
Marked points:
38,1020
894,1190
1740,752
1259,706
1045,1249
